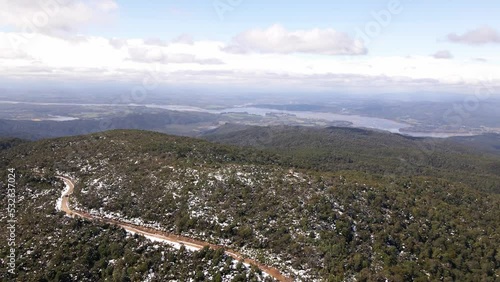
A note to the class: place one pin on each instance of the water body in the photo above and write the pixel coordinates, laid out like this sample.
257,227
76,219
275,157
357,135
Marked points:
356,120
60,118
437,134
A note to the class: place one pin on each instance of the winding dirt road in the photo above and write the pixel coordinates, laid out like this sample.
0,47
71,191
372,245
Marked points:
160,235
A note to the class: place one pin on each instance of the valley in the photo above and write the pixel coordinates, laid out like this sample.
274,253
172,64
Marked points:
190,119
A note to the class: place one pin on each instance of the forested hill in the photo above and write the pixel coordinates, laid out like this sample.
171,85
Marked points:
161,122
314,223
489,143
373,152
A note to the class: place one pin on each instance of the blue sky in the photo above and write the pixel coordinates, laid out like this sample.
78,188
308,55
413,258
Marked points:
435,45
417,29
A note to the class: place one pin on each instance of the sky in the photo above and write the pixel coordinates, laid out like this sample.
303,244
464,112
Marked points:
365,46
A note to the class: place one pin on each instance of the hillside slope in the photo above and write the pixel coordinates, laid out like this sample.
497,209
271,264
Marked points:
381,153
311,224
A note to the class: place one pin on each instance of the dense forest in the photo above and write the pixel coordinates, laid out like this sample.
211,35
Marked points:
374,152
327,205
54,247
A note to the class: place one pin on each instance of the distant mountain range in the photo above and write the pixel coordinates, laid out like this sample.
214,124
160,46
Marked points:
161,122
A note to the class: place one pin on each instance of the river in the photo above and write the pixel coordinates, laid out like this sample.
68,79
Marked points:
356,120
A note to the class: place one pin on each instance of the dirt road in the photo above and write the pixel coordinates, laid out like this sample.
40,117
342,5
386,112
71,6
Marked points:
160,235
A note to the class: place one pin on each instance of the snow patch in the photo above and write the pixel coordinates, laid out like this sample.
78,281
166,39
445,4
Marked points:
59,201
173,244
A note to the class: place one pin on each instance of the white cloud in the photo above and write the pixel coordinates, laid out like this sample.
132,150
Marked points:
184,38
159,55
97,58
147,55
53,16
443,54
181,39
13,54
155,41
117,43
107,5
479,36
276,39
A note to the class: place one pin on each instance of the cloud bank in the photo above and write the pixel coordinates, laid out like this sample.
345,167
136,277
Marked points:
184,60
479,36
277,39
443,54
157,55
53,16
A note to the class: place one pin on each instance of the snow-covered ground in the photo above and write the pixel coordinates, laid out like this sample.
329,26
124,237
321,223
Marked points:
174,244
59,200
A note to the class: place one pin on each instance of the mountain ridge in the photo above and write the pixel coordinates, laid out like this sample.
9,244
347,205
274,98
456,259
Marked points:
312,224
